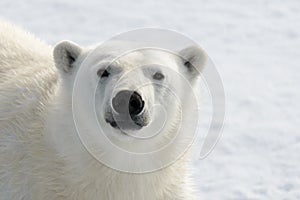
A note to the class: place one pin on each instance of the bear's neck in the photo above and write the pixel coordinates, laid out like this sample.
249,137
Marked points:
97,181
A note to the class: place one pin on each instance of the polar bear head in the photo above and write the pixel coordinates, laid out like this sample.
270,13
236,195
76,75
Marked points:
138,91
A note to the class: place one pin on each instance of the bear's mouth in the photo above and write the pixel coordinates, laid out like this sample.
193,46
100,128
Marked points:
113,123
122,122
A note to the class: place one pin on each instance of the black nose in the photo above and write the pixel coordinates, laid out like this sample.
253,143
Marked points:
128,102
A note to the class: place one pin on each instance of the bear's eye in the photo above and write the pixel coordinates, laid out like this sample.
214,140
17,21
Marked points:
102,73
158,76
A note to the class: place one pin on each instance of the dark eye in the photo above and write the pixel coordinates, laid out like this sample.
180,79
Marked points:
102,73
158,76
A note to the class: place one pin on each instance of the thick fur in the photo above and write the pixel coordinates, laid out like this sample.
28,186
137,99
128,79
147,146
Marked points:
41,156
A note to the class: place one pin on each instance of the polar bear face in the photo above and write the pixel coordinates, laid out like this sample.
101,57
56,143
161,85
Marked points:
134,90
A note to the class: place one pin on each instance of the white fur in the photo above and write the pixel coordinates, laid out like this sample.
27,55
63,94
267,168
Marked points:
41,155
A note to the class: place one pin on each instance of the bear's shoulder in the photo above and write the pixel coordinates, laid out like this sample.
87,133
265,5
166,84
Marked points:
27,73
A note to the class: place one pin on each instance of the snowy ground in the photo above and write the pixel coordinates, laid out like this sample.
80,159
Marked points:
255,45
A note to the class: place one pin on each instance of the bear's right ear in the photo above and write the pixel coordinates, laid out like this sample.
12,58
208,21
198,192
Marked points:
65,54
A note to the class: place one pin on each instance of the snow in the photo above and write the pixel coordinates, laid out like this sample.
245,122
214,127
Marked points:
255,45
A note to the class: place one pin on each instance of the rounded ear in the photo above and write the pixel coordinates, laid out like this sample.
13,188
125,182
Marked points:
65,54
194,59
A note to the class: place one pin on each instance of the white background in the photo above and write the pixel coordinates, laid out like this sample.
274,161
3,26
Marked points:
255,45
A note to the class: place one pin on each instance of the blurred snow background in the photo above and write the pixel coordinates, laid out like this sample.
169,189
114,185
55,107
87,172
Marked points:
255,45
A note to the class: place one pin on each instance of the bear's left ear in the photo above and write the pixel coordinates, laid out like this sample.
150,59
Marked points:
194,59
65,54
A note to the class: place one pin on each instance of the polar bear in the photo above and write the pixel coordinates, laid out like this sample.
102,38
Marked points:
42,156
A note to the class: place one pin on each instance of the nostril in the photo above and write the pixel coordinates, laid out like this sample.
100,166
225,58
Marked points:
136,104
